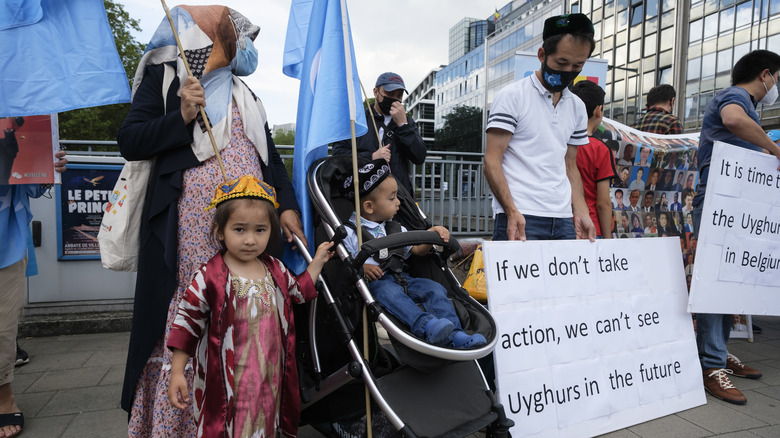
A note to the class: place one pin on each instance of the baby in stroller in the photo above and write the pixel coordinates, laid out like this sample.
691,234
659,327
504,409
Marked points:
397,291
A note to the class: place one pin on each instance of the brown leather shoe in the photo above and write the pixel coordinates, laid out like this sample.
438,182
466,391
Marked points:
717,383
741,370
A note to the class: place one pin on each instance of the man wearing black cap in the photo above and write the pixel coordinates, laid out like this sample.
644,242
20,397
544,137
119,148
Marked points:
533,131
401,141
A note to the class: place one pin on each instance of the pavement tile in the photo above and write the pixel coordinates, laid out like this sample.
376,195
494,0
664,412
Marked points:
22,381
66,379
111,344
767,350
100,424
115,374
108,357
57,361
78,400
31,404
767,432
771,392
769,363
718,417
671,426
771,375
36,346
622,433
47,427
760,407
739,434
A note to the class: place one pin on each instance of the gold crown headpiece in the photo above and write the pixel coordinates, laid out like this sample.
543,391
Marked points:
245,187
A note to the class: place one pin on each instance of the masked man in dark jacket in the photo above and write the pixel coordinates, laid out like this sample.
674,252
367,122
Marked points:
401,141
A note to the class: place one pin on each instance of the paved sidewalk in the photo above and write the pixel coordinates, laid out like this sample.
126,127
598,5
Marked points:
71,388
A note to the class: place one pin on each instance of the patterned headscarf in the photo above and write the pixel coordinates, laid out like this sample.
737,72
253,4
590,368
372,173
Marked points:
209,35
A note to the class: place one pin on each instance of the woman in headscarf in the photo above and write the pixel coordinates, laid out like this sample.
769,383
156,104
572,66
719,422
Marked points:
164,124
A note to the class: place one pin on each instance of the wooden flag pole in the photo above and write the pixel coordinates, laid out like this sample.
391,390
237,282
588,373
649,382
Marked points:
202,110
373,122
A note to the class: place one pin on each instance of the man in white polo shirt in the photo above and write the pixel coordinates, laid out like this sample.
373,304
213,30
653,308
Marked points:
533,131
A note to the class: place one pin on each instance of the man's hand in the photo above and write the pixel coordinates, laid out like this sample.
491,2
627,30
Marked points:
192,95
291,224
583,226
60,165
515,226
382,153
398,113
372,272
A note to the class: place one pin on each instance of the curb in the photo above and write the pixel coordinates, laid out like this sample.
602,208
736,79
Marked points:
74,324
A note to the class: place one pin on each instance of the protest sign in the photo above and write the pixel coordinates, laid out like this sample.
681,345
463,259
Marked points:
593,337
739,241
27,148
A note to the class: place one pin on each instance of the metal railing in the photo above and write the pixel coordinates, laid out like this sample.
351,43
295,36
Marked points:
450,187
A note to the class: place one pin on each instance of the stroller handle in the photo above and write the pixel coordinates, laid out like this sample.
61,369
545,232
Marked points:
400,240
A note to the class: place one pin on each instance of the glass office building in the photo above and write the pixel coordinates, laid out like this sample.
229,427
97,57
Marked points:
459,38
691,45
460,83
420,103
519,29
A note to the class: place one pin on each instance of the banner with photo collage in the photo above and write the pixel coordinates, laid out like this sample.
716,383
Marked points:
652,195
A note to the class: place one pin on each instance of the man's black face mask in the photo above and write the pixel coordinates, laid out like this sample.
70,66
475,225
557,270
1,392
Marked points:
386,104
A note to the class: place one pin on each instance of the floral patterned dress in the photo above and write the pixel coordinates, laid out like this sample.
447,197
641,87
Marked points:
196,247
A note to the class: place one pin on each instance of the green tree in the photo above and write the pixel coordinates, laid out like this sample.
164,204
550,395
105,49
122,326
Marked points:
103,122
286,138
462,131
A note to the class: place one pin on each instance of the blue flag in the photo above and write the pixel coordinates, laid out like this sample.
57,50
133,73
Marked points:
314,52
63,61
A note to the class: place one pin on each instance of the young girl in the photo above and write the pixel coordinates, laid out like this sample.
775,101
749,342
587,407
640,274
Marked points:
236,321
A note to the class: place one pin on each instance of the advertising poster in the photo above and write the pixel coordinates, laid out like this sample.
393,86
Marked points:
27,147
739,248
591,338
81,200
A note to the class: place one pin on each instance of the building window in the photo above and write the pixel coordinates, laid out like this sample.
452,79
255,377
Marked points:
708,66
710,26
744,12
694,69
726,21
691,107
724,60
650,44
665,75
637,13
774,7
652,8
635,50
694,31
667,39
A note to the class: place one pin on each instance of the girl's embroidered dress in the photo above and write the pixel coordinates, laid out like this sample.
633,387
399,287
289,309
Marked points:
234,351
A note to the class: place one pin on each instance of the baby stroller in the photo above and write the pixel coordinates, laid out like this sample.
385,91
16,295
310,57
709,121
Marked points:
418,389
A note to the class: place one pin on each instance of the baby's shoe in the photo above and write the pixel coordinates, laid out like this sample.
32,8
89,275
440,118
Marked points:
438,331
462,340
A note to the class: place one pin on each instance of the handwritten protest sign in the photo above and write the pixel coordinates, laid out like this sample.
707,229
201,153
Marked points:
739,242
593,337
